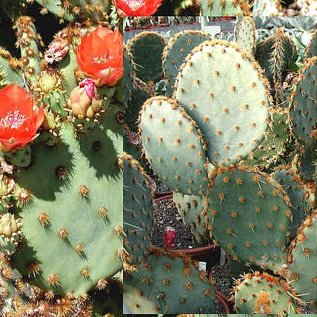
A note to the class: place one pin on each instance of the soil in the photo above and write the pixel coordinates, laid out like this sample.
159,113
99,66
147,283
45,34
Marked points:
222,280
166,214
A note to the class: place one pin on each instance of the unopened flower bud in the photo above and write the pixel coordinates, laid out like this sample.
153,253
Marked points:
84,101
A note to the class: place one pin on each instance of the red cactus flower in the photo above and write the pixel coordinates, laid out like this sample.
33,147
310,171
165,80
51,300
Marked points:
137,7
19,118
100,55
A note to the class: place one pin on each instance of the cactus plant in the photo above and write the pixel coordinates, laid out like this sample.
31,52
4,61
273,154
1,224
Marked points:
264,294
302,259
161,276
60,137
223,8
176,51
245,34
249,192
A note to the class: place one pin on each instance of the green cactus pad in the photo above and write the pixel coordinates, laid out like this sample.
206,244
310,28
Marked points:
191,208
173,145
127,80
264,294
67,67
137,208
224,91
56,7
9,69
302,261
249,215
311,50
224,7
307,160
276,54
272,149
21,157
74,219
146,49
245,34
176,51
135,303
301,199
29,42
134,105
173,284
303,110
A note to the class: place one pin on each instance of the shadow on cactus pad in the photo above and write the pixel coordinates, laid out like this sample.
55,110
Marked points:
48,172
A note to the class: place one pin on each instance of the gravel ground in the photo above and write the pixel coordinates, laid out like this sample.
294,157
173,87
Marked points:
222,279
166,214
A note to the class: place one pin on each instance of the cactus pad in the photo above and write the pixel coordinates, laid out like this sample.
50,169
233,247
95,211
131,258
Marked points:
146,49
300,198
9,69
173,145
173,284
74,219
224,91
272,149
311,50
276,54
302,261
249,216
176,51
224,7
137,208
263,294
303,110
245,34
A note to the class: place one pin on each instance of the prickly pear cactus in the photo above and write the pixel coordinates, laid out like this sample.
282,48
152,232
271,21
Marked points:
180,141
276,54
302,261
262,293
302,199
137,209
28,42
303,111
223,90
249,215
146,50
176,51
245,34
242,167
69,214
171,283
311,50
224,7
61,226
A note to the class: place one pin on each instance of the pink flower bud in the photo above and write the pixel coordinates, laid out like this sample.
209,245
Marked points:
84,100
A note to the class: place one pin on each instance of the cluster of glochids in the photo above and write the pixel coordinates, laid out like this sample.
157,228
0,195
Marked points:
60,183
223,126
